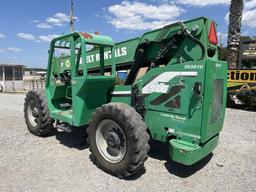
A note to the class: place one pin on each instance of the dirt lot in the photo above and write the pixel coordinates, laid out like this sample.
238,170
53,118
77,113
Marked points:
61,162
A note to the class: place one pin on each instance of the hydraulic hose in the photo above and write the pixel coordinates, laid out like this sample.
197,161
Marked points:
187,32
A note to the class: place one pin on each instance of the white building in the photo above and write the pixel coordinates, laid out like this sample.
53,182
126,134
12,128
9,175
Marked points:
11,77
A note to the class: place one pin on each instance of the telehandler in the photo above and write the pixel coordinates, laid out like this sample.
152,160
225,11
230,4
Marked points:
175,93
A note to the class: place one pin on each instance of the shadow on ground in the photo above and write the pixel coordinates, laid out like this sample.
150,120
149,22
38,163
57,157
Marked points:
250,108
160,151
75,139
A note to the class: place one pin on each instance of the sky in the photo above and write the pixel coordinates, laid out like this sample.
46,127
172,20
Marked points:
27,26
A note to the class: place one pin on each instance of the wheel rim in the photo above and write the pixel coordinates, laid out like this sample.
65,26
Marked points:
32,113
111,141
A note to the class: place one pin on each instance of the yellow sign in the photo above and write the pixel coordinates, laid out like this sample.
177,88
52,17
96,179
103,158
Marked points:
248,76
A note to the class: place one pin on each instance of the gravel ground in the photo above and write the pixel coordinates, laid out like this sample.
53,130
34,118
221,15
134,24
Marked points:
61,162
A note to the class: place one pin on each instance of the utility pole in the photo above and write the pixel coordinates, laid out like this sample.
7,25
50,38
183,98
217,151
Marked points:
71,16
220,40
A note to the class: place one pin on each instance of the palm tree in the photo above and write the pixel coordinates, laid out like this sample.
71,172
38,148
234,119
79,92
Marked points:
234,31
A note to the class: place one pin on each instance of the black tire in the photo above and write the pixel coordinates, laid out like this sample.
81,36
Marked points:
137,138
43,122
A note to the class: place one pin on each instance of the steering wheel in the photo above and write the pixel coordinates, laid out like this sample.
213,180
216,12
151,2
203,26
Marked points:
67,76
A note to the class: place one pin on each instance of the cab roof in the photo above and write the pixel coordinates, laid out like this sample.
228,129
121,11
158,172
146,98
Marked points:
89,38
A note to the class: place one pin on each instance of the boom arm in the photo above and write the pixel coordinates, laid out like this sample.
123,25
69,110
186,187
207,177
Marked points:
158,47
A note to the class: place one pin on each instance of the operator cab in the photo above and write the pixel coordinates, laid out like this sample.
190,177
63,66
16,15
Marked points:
70,59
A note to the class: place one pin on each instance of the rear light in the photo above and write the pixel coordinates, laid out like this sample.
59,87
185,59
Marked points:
213,38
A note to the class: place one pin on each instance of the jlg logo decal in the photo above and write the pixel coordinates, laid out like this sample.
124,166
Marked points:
158,85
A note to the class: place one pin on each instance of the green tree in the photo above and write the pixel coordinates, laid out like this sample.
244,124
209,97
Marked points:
223,52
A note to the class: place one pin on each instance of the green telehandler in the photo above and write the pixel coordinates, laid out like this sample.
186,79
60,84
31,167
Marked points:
174,93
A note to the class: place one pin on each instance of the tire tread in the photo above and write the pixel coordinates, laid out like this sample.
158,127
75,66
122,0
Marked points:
137,132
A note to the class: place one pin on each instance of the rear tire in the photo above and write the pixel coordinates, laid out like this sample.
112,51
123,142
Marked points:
36,113
118,139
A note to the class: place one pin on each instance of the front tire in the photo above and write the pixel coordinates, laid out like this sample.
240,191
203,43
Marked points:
118,139
36,113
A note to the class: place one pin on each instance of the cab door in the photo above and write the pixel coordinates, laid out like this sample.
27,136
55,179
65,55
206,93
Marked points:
215,98
90,88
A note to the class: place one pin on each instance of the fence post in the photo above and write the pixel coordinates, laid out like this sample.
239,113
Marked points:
36,84
33,86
